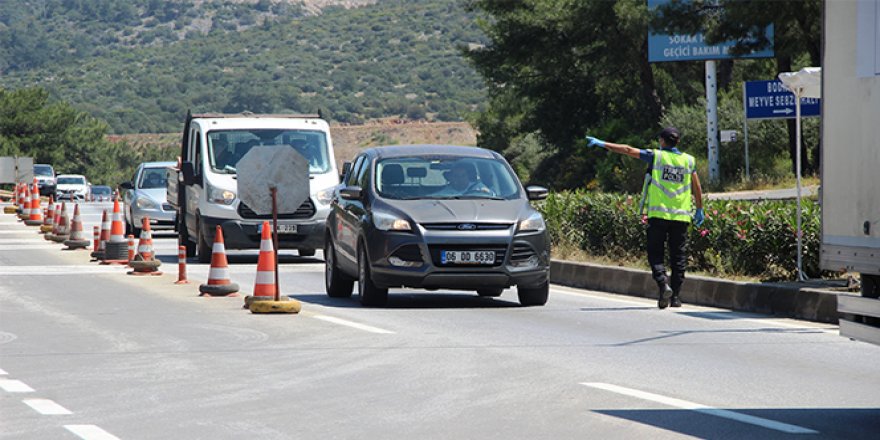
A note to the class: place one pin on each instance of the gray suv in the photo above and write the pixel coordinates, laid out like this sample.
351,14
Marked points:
435,217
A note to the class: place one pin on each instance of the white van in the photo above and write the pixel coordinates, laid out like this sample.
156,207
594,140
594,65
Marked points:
203,188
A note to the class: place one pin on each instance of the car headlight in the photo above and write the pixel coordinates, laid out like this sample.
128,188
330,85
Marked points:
533,223
388,222
220,196
326,196
146,203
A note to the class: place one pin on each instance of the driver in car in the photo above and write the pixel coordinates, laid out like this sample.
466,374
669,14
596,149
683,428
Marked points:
463,180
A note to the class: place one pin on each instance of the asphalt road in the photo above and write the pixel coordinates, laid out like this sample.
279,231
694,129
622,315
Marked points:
87,351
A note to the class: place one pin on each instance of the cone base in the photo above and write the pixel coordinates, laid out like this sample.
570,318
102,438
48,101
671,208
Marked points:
30,222
49,236
97,255
136,273
145,265
46,228
9,210
289,306
59,238
77,244
218,289
250,299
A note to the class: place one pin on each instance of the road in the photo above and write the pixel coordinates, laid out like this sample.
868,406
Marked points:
87,351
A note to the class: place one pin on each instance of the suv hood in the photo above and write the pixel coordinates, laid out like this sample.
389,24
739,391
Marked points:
456,211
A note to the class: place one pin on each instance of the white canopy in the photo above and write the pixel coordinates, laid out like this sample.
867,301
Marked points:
806,83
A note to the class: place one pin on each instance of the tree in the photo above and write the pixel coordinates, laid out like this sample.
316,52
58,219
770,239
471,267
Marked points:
797,28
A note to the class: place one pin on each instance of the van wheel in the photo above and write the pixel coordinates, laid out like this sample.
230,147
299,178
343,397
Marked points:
336,283
490,292
533,296
369,293
204,249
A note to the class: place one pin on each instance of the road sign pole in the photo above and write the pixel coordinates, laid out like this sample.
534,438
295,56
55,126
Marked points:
274,191
797,115
746,129
712,120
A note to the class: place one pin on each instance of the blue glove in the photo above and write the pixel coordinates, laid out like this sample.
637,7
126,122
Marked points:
699,217
593,142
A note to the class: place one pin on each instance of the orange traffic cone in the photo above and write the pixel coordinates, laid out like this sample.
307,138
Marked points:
62,229
219,283
24,203
36,214
266,298
56,220
103,236
76,240
49,220
144,263
116,248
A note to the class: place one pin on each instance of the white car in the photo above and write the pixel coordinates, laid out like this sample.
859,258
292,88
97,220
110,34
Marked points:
72,187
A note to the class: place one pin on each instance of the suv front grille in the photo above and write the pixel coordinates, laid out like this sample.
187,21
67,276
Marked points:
467,226
306,210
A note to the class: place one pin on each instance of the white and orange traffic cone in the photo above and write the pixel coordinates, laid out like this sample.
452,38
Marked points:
62,229
35,217
96,239
266,297
219,283
103,237
49,220
24,204
77,240
116,248
55,222
144,262
181,266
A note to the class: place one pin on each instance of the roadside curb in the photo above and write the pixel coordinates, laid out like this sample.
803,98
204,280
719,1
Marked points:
780,299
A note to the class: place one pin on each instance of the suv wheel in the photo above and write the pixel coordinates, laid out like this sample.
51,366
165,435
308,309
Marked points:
490,292
336,283
533,296
369,293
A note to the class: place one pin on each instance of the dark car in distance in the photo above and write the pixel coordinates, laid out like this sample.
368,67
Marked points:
435,217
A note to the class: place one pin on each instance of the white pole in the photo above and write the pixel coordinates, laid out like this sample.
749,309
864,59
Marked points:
746,129
712,121
797,115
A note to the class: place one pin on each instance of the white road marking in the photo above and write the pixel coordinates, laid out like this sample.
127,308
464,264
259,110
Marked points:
90,432
46,407
28,247
15,386
704,409
2,372
58,270
351,324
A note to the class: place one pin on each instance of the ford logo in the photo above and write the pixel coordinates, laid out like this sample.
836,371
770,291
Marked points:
467,227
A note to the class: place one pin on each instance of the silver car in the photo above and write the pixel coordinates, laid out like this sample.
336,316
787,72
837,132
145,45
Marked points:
145,195
435,217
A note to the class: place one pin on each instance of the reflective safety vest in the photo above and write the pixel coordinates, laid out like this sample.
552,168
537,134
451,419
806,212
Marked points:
669,190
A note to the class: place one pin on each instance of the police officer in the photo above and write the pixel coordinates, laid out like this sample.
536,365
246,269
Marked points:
671,179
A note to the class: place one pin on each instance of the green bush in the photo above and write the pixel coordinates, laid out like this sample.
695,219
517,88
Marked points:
738,237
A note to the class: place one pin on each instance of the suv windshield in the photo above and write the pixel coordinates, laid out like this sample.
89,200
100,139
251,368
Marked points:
43,170
445,177
71,181
101,190
226,148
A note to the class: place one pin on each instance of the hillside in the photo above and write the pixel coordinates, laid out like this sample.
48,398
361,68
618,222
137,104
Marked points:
141,64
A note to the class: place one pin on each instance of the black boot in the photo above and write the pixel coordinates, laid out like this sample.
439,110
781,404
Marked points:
676,300
663,295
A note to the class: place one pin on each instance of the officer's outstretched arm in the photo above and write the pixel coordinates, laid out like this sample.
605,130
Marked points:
623,149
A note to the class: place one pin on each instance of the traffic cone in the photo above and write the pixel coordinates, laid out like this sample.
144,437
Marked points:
219,283
96,239
24,203
36,215
49,221
103,236
63,228
144,262
76,240
116,248
55,222
265,289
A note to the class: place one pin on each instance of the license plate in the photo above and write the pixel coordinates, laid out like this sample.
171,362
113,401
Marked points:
467,257
282,229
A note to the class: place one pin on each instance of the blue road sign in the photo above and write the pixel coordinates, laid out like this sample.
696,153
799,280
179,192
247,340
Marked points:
771,100
663,47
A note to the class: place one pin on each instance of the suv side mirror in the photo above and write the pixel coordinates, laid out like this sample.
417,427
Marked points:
126,185
346,167
188,172
351,193
536,192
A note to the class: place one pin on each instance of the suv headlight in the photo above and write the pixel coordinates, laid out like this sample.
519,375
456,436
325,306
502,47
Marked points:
220,196
533,223
326,196
388,222
146,203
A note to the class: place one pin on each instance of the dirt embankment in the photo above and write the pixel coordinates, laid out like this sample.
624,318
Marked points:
347,139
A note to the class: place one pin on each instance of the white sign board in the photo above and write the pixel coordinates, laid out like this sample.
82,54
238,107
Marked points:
16,169
267,167
728,135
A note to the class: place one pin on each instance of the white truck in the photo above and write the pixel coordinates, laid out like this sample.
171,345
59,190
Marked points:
851,159
203,188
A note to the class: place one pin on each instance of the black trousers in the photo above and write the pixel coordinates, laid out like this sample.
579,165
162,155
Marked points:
673,233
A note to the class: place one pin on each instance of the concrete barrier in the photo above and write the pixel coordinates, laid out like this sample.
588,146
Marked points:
808,301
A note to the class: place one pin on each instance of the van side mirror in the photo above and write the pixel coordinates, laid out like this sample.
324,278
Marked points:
536,192
350,193
126,185
188,172
346,167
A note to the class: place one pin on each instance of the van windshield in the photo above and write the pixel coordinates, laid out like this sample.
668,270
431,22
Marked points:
43,170
227,147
